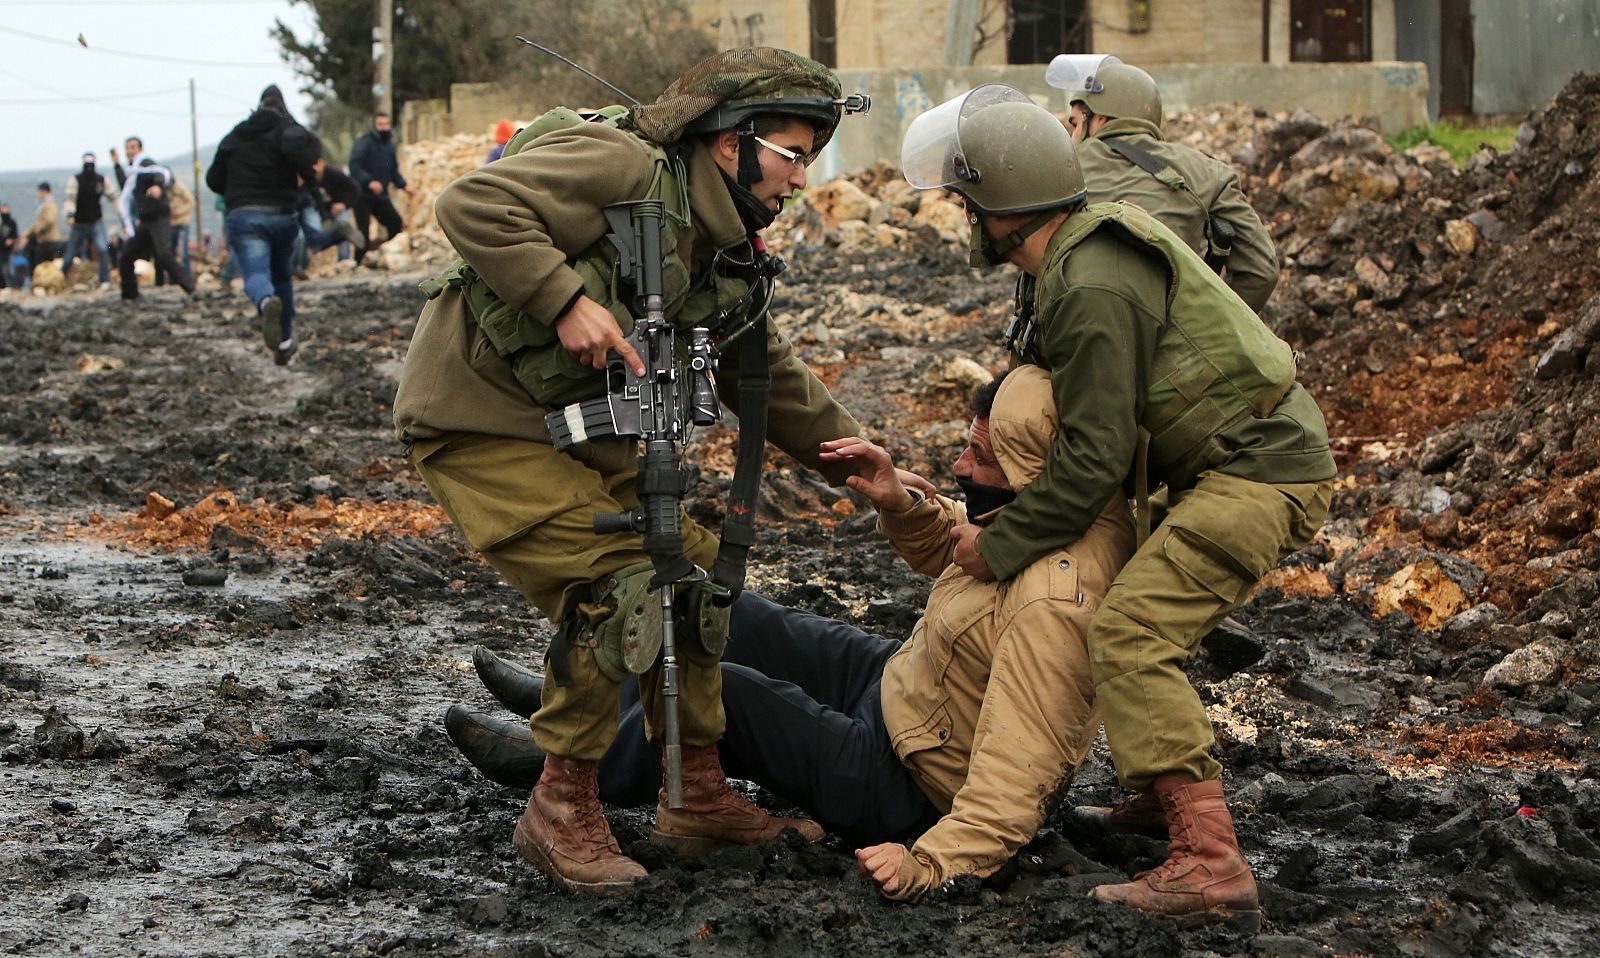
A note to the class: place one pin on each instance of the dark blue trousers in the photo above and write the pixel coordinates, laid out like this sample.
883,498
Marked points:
805,720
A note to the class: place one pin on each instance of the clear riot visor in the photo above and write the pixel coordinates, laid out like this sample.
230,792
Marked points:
1078,72
932,155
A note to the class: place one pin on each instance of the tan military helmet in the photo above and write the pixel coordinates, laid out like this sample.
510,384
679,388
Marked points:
997,148
1106,86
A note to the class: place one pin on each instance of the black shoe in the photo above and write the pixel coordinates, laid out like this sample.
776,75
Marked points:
517,688
503,751
280,355
271,313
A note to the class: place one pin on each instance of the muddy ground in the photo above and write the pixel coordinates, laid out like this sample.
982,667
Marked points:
230,619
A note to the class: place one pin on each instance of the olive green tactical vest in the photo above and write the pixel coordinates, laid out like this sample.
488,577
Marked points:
553,376
1215,361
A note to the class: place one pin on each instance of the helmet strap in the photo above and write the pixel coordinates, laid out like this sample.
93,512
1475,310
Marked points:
749,155
987,252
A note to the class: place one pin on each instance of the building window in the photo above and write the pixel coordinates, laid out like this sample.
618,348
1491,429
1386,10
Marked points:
1040,29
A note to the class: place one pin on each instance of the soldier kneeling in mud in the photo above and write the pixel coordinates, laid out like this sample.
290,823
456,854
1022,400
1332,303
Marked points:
934,757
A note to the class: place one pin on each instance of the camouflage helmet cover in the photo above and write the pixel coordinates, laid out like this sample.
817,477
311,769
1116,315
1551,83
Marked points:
727,88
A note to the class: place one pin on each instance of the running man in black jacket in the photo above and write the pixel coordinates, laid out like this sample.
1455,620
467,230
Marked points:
258,170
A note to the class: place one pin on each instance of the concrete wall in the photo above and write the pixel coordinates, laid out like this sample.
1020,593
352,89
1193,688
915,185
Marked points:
1395,93
1526,52
1181,31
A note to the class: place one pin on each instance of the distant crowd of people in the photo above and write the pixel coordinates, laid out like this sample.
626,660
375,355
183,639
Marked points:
280,199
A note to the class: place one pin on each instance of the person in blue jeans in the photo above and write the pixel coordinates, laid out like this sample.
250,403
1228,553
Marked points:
258,170
85,216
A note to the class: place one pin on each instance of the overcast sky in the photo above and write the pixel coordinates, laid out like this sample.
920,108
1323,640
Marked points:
59,99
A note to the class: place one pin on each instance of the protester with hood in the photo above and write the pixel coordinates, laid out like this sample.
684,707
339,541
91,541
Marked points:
375,166
933,757
151,238
521,326
257,171
84,192
503,131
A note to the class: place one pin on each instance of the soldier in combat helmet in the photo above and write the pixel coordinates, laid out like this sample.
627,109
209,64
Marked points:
523,324
1116,126
1163,379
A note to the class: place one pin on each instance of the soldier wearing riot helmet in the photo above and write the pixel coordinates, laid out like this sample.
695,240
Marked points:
1163,377
522,325
1115,121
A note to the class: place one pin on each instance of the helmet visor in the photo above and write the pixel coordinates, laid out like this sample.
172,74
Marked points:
932,154
1078,72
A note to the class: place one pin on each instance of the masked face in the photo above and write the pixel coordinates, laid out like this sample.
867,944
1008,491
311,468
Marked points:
384,127
979,474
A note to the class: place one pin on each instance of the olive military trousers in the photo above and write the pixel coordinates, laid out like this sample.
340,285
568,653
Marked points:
529,511
1216,541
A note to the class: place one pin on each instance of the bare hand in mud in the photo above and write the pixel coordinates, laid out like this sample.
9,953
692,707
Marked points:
875,474
966,554
588,331
883,863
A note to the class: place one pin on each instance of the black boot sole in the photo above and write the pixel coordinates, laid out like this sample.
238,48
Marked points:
517,688
503,751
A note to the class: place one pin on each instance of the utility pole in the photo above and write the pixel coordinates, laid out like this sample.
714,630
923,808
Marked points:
194,149
383,58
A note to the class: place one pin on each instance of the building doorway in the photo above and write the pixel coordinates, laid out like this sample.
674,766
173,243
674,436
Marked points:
1330,31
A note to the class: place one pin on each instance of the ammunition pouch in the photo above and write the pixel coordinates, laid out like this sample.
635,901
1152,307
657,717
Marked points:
628,641
708,607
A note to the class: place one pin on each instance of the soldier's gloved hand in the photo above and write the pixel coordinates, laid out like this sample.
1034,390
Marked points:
875,475
588,331
966,553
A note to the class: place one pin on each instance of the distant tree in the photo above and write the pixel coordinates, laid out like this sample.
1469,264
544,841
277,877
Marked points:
639,45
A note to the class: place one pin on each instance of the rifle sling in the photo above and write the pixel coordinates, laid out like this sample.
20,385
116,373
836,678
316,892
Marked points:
738,524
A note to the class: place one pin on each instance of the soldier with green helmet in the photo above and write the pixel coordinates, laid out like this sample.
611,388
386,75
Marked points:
1116,126
1163,377
522,325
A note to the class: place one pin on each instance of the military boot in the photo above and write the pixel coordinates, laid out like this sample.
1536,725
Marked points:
713,814
503,751
1205,877
1141,812
565,835
517,688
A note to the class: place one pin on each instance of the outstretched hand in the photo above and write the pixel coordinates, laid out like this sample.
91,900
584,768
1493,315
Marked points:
875,474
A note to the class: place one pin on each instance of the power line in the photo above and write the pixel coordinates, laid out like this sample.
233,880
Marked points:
95,98
146,57
92,99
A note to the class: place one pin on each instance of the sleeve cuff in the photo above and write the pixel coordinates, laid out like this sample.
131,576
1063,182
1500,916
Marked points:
551,300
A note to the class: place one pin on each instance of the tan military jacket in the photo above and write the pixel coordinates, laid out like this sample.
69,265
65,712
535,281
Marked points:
519,222
46,226
989,703
1211,190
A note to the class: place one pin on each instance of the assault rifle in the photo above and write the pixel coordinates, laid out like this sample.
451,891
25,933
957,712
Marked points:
658,408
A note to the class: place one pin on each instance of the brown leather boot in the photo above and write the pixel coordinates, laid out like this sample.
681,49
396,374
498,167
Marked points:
1205,877
565,835
713,814
1140,812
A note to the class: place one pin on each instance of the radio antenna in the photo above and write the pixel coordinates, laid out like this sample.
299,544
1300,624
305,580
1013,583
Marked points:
612,86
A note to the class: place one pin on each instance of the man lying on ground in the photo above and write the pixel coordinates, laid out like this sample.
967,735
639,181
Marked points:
935,757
